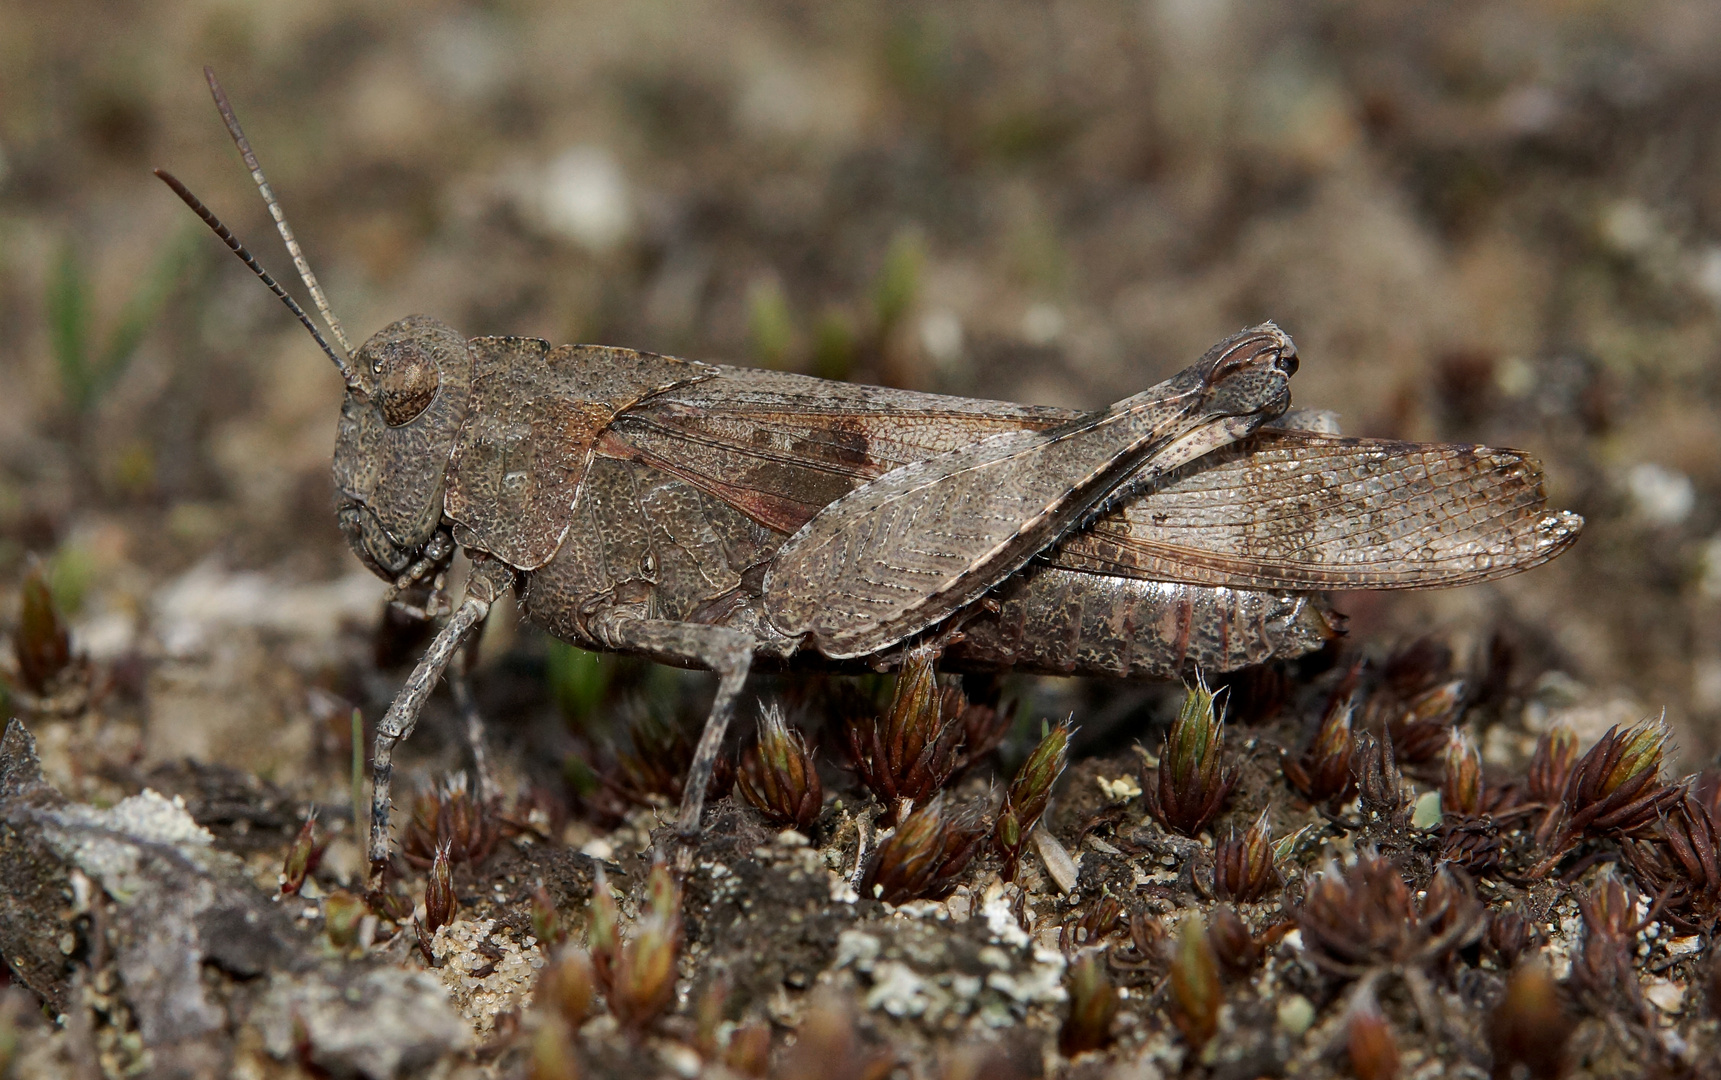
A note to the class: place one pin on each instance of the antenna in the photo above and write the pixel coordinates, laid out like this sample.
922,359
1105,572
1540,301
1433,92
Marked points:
349,374
275,211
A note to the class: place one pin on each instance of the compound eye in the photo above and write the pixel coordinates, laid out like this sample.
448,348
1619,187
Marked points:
406,381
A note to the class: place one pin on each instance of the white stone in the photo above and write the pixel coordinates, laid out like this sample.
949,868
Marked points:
1427,813
1123,789
1296,1014
1042,323
583,196
897,990
1665,995
941,336
1662,496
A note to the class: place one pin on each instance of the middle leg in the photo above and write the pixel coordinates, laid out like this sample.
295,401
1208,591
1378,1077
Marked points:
726,651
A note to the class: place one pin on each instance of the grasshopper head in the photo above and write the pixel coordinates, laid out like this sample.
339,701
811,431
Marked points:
1249,373
407,389
398,426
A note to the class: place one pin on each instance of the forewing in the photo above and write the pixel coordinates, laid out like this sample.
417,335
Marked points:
781,447
1280,510
1294,510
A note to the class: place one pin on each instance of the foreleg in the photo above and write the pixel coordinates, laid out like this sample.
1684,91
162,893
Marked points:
489,578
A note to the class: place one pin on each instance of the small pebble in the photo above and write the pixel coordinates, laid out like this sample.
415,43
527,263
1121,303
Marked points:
1120,790
1296,1014
1427,813
682,1060
1665,995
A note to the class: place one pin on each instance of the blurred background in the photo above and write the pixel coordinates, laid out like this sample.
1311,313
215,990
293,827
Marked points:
1480,222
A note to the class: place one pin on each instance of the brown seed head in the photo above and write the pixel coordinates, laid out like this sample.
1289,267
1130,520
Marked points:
1450,911
1551,764
654,767
1473,843
1679,861
1355,918
1417,666
1100,919
1323,772
1609,910
1255,694
1093,1004
1529,1027
1603,968
778,775
546,921
642,980
1461,788
1380,785
1609,927
1026,798
1243,869
1195,991
1192,781
303,856
43,647
1373,1049
1510,936
1233,943
1615,789
568,986
553,1056
923,858
603,934
984,728
749,1050
1145,951
1363,916
450,816
905,756
1692,834
439,900
1421,729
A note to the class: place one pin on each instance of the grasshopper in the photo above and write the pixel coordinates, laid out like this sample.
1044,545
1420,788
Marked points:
710,516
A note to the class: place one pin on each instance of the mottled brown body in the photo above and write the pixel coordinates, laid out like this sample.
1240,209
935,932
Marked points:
704,515
710,516
682,530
